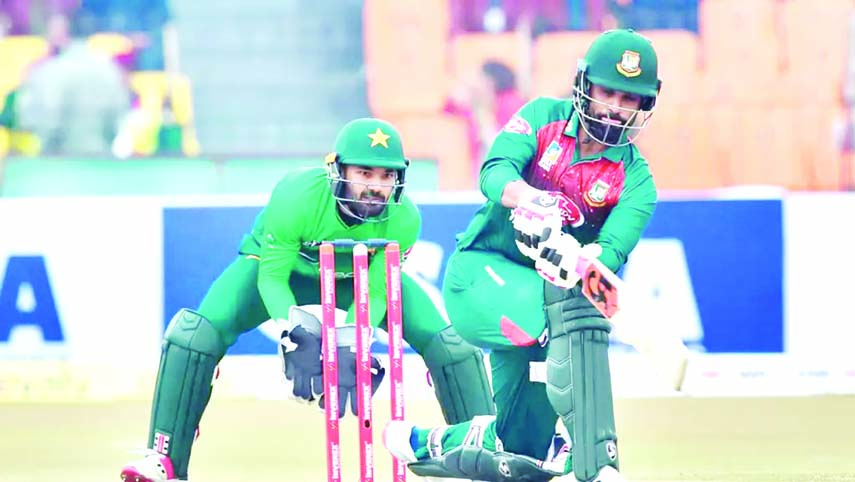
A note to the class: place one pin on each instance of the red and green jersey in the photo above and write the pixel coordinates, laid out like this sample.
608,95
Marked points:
613,192
301,213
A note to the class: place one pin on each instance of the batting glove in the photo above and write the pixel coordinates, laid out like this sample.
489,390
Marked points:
559,259
537,219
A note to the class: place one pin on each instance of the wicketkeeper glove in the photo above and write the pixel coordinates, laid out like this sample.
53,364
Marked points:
300,349
346,337
302,361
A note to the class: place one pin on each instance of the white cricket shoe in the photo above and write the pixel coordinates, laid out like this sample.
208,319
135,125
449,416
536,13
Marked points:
396,438
152,467
609,474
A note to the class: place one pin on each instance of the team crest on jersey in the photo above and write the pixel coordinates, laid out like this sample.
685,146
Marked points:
596,196
518,125
630,64
550,156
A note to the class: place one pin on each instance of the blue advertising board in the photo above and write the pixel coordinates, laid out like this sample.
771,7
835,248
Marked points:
733,252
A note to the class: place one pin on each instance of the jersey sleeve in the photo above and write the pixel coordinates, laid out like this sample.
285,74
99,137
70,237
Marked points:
622,229
511,151
282,226
404,227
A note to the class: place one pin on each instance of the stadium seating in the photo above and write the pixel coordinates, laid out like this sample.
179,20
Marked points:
554,60
676,146
406,61
756,97
741,52
470,51
110,43
17,55
153,89
818,150
679,54
816,57
442,138
5,146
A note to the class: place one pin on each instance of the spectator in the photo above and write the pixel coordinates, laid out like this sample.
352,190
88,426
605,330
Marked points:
75,100
487,101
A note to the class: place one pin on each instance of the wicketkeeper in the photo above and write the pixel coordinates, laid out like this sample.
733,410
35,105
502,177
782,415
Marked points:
359,195
563,181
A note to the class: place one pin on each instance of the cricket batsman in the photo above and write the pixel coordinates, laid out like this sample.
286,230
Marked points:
563,181
359,195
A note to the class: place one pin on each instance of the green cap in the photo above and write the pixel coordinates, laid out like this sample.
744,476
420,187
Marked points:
623,59
370,142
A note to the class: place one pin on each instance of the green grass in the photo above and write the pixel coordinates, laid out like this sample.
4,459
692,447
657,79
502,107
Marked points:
668,440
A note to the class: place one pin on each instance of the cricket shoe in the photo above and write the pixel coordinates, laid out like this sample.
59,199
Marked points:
609,474
396,438
152,467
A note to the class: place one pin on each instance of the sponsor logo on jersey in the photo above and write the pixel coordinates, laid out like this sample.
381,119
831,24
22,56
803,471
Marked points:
550,156
596,195
518,125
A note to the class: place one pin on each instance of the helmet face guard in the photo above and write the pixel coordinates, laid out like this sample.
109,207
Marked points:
610,134
373,143
340,187
620,60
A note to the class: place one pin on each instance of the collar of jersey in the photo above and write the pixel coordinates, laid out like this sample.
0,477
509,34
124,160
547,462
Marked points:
614,154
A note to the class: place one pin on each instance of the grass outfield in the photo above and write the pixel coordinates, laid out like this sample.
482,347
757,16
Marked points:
728,440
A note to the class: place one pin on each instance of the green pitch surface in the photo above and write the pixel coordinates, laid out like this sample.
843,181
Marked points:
728,440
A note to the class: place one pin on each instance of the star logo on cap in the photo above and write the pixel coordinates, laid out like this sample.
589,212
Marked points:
378,138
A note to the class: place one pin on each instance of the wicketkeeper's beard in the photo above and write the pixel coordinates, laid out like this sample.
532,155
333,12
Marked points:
370,203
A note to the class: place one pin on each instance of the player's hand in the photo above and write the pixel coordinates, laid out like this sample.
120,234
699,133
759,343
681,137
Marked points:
560,257
537,219
347,380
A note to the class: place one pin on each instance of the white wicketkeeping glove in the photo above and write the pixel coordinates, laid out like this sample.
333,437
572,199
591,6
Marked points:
537,219
559,257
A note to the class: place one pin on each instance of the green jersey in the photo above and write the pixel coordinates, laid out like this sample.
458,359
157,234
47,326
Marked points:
612,192
302,213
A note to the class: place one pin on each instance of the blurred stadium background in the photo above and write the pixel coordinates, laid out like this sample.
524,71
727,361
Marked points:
138,138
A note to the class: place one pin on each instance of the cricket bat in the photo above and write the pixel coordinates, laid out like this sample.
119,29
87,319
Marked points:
626,313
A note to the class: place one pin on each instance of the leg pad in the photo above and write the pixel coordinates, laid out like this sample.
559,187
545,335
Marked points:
459,377
191,350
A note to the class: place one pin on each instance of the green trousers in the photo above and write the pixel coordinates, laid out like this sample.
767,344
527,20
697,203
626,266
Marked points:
497,304
234,306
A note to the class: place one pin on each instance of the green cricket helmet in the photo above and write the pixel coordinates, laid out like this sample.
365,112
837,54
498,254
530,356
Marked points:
366,142
622,60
